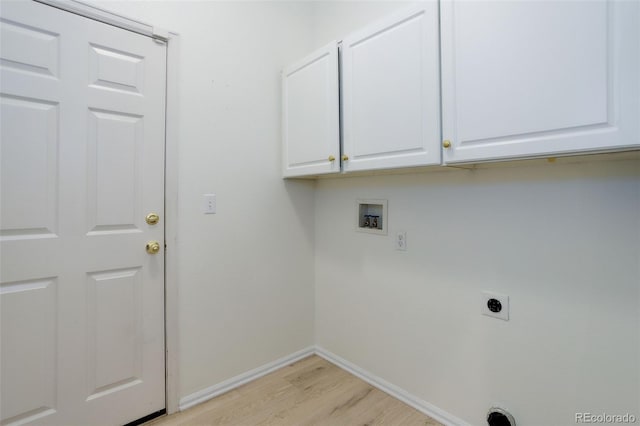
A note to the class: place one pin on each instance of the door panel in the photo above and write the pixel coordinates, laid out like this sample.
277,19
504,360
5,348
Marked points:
114,69
113,174
29,387
29,49
29,168
82,164
114,351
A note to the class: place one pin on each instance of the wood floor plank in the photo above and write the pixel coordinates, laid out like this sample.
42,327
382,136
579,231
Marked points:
311,391
313,406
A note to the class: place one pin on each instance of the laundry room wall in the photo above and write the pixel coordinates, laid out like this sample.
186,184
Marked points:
561,239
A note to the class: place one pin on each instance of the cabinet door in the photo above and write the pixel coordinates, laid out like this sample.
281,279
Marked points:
391,92
529,78
310,114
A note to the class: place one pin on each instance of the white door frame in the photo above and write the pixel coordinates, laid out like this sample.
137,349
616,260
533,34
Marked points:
171,176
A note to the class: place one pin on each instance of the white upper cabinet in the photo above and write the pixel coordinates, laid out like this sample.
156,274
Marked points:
311,116
537,78
391,92
515,79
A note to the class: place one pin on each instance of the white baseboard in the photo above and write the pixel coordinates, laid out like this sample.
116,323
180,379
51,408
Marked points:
241,379
393,390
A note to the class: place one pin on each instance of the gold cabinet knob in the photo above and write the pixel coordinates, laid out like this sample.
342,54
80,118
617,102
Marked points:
446,144
332,158
345,157
153,247
152,218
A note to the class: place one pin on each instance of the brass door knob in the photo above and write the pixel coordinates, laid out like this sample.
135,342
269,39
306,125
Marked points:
446,144
345,157
332,158
153,247
152,218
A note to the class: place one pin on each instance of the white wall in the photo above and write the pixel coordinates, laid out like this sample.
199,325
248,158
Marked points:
562,240
246,273
332,20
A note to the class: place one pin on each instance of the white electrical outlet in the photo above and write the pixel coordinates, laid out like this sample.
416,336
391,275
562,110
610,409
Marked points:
495,305
401,241
209,204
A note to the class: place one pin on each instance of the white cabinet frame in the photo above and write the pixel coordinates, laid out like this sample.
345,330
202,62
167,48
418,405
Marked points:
531,79
311,115
390,80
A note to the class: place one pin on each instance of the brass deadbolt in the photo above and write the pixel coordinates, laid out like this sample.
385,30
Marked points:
152,218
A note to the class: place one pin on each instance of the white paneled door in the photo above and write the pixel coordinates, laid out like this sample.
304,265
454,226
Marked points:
82,165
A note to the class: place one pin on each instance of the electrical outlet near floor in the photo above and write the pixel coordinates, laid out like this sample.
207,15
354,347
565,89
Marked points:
495,305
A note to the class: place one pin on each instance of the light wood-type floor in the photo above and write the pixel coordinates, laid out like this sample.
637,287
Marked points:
309,392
